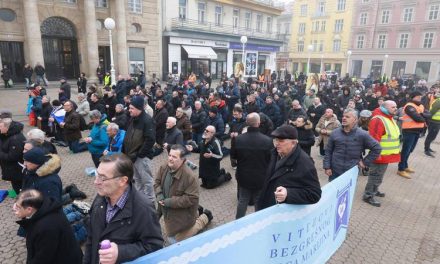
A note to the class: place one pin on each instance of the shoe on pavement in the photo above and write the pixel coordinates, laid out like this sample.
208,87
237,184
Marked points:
228,176
372,201
200,209
403,174
429,154
68,188
410,170
75,193
431,150
380,194
208,214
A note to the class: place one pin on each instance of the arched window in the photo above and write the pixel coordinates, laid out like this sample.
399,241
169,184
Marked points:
99,24
135,28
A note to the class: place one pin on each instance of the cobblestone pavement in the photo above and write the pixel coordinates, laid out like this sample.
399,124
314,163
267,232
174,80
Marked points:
406,229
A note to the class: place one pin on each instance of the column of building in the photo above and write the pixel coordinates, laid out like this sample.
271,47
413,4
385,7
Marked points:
33,32
91,38
121,35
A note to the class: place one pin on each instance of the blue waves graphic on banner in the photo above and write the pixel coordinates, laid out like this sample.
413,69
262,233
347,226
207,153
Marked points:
283,233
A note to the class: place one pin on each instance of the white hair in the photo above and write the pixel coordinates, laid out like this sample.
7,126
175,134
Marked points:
36,134
113,126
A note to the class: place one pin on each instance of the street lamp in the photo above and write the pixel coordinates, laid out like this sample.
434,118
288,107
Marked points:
348,61
322,64
109,24
309,49
385,66
243,41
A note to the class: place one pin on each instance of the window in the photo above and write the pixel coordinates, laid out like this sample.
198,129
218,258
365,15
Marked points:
321,45
301,46
385,16
434,12
336,45
360,41
315,26
137,60
341,5
259,23
315,45
422,69
279,28
321,8
303,10
235,18
323,26
408,14
287,28
403,40
269,25
302,28
135,6
428,39
69,1
382,41
339,25
182,9
135,28
363,19
201,12
7,15
101,3
218,15
247,20
99,24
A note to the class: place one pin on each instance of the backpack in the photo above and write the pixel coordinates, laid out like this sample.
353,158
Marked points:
82,123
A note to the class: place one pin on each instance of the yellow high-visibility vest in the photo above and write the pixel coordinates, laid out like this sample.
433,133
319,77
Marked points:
436,116
390,142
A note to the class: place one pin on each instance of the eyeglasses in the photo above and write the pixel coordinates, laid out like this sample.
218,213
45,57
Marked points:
102,178
207,131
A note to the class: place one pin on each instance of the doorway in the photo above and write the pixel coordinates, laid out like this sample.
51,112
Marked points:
60,48
12,55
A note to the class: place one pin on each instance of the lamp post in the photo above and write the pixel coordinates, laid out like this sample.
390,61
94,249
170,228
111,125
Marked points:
243,41
385,65
109,24
322,64
309,49
348,61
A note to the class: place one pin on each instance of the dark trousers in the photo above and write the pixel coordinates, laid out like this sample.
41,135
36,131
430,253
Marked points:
6,83
77,147
321,148
95,158
409,144
375,178
211,183
433,129
244,196
16,185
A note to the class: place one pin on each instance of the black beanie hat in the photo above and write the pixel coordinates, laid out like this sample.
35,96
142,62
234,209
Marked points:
36,156
138,102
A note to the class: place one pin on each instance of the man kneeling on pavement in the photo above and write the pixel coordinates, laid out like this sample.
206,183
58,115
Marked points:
177,193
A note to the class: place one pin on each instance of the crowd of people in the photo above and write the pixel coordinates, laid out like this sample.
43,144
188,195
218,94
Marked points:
271,125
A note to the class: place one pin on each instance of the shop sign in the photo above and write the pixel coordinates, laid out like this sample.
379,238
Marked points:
199,42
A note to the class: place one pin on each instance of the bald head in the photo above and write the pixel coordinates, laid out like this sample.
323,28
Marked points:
391,106
253,120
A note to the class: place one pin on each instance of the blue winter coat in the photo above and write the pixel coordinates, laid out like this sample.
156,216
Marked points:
99,137
115,144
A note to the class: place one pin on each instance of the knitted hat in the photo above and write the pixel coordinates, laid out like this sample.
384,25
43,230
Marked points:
138,102
36,156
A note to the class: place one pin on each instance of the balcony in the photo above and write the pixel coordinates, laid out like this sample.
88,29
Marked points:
209,27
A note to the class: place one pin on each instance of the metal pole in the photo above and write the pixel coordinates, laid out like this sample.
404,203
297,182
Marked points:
308,66
112,64
244,63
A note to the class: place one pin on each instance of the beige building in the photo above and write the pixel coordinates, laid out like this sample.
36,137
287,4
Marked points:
69,37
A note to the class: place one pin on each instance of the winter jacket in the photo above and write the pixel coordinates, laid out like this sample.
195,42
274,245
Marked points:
45,114
111,102
181,203
330,125
198,120
71,128
297,173
293,114
344,150
6,74
37,105
115,144
27,72
135,229
184,125
49,236
140,137
39,70
273,112
121,119
252,108
11,152
266,125
99,136
84,110
218,123
209,168
318,112
64,93
46,179
306,138
173,136
251,159
160,118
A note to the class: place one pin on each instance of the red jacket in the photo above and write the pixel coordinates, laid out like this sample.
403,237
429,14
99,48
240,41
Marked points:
377,129
382,88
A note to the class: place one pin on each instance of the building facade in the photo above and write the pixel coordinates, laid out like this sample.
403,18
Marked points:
69,36
204,36
321,32
285,32
396,37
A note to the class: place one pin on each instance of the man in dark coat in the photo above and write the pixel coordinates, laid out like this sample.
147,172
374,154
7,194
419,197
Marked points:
121,214
49,237
72,129
214,119
11,151
160,117
251,160
198,120
64,91
291,174
272,110
121,117
121,89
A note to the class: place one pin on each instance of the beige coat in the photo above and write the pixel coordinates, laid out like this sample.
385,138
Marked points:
330,125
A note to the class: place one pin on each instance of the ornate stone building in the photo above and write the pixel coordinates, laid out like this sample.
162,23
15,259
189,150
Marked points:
69,37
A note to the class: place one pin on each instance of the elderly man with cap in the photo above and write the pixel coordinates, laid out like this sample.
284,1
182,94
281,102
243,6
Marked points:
138,145
291,174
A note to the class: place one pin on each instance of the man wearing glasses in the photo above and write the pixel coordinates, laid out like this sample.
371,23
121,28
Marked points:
120,214
292,176
72,128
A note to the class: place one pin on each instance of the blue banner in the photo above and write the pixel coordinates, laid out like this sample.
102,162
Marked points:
281,234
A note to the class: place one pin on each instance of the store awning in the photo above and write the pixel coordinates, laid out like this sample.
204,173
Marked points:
198,52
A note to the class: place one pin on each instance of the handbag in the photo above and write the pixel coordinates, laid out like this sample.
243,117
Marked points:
10,82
